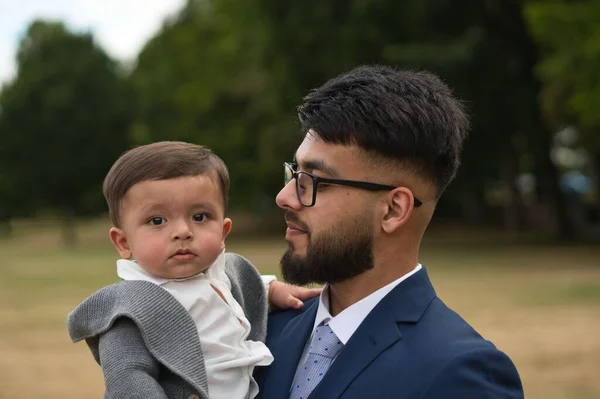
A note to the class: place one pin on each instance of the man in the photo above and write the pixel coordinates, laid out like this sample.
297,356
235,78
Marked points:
381,146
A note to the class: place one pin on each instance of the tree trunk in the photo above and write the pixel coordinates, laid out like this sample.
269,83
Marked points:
514,211
593,216
596,175
69,230
512,28
5,228
473,206
550,188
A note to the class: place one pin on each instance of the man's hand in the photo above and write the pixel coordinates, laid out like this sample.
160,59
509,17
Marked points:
285,296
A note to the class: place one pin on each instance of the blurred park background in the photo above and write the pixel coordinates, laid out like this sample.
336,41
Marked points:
514,246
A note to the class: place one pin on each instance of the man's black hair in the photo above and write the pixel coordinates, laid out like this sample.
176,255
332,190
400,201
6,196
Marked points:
405,116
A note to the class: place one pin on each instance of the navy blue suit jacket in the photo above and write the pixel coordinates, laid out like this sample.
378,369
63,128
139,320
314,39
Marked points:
411,346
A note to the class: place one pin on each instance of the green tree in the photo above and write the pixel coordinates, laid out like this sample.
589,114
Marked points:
482,49
64,119
229,74
199,79
569,37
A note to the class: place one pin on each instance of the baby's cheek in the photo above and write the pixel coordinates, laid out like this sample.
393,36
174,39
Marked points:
211,245
150,250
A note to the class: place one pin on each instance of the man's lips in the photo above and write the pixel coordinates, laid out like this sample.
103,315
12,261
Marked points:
295,227
293,230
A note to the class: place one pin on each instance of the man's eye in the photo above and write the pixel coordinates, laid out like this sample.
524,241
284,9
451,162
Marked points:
199,217
156,221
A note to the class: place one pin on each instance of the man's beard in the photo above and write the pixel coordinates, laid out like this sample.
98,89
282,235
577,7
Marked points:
334,255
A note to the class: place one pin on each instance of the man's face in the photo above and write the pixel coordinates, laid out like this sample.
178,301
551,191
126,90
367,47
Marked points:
333,240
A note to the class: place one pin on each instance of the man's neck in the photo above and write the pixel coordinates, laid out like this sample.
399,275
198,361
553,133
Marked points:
346,293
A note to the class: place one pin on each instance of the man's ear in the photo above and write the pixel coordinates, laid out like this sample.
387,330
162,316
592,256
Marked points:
119,241
226,229
399,207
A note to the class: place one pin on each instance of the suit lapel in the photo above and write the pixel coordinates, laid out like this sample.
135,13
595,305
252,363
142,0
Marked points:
362,348
405,303
288,350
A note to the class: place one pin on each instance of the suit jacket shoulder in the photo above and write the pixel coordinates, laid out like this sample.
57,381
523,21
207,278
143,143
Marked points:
411,345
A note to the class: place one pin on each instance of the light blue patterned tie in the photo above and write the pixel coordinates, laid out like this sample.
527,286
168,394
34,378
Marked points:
323,348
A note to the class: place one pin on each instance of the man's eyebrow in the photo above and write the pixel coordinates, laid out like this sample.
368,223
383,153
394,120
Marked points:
319,165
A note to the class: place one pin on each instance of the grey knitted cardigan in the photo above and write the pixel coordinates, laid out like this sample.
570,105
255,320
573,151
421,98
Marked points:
146,342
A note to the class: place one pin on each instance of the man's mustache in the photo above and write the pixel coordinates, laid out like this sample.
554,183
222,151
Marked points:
293,218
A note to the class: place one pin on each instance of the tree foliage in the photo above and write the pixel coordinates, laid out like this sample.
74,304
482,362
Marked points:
229,75
64,119
568,33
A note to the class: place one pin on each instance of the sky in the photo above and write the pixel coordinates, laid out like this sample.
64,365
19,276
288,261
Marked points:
121,27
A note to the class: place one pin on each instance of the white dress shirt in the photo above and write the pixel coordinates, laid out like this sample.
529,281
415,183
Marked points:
222,327
347,321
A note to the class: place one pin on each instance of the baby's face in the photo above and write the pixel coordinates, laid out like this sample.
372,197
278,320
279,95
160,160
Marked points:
173,228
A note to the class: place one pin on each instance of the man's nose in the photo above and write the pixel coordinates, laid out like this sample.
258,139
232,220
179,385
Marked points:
287,198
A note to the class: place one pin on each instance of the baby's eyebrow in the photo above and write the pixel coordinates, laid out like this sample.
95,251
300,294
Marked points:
151,207
203,205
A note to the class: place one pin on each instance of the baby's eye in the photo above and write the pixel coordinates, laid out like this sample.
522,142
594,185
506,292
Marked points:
199,217
156,221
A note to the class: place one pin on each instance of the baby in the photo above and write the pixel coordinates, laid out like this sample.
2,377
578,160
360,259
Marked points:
188,320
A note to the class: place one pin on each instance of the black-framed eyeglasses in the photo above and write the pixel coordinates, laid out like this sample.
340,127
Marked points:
307,183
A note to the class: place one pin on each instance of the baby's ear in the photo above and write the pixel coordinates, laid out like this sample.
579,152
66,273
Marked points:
226,230
119,241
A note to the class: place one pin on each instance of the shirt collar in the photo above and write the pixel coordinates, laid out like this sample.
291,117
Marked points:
348,321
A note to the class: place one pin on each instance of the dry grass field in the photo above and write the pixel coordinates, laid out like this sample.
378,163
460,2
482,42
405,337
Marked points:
538,303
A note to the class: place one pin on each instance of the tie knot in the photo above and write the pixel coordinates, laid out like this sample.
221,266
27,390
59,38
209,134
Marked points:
325,342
